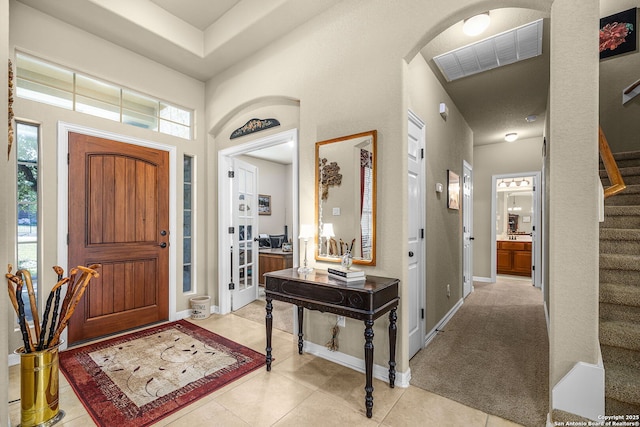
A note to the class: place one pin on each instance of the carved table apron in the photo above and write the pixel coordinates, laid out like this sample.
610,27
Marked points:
365,301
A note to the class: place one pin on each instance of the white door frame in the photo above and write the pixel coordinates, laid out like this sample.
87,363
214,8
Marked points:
224,206
417,277
63,198
536,256
467,235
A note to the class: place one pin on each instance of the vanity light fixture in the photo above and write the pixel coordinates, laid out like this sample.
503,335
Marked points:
510,137
502,184
513,183
525,182
476,24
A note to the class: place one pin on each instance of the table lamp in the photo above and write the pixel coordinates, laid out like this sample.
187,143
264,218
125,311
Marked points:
306,232
327,233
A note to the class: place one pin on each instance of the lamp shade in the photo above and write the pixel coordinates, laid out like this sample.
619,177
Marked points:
327,230
306,231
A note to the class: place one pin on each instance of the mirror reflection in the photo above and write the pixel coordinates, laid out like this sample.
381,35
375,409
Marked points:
346,198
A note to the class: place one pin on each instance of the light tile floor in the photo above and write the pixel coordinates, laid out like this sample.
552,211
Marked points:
299,391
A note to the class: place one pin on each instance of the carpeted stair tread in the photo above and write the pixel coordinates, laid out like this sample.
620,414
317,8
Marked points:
620,334
622,383
620,356
622,210
562,418
615,407
621,217
616,293
620,234
627,197
619,262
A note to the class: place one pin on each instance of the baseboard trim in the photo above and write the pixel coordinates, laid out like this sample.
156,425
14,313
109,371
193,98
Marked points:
581,391
379,372
482,279
432,334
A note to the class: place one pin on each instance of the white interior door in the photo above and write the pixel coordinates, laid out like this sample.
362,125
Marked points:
244,251
467,226
415,244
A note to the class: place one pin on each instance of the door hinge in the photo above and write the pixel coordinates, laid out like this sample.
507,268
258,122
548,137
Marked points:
232,230
422,153
533,267
422,313
231,174
68,156
533,228
232,286
67,239
422,233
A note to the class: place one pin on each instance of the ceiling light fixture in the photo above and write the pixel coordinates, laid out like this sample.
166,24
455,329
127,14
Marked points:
510,137
532,118
476,24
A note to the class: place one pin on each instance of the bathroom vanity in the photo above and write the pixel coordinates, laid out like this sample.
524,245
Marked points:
514,257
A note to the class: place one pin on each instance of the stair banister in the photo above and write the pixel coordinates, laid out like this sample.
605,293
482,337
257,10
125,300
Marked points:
610,165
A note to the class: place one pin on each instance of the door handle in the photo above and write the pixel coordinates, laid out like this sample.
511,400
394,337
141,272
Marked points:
163,245
410,254
163,232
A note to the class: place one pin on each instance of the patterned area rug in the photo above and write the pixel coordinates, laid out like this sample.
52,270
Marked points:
140,378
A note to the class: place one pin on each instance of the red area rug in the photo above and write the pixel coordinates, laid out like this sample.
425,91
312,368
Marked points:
140,378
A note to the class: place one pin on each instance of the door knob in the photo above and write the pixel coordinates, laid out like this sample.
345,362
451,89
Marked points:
163,245
410,254
163,232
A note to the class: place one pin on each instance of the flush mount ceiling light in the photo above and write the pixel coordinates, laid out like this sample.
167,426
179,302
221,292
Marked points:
476,24
532,118
510,137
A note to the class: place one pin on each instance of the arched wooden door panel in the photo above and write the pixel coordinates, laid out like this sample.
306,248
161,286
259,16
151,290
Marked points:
118,217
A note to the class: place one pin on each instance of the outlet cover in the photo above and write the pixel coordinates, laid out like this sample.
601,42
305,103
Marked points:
340,321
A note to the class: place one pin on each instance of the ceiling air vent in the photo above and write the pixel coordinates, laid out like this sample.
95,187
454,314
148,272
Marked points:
502,49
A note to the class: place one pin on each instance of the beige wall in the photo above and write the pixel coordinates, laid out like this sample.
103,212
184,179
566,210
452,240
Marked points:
619,122
48,38
503,158
573,187
6,251
448,143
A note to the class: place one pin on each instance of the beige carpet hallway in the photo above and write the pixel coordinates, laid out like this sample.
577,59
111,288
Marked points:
493,355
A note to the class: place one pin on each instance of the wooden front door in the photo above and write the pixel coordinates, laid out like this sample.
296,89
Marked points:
118,217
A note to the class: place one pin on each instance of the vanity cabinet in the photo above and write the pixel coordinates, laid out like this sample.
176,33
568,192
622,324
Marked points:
514,257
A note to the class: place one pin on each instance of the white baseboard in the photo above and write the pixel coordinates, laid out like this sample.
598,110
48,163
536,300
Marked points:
379,372
482,279
581,391
433,332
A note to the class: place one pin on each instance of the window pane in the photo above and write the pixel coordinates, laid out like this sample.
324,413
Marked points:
187,224
96,89
140,120
175,129
187,196
175,114
46,74
187,168
97,108
186,278
139,103
186,248
44,94
27,147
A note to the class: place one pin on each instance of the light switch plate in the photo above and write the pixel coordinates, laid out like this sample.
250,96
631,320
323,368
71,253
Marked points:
336,211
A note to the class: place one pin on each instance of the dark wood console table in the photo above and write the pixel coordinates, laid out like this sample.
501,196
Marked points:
317,291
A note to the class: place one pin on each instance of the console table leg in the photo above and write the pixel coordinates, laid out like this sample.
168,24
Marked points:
269,323
393,332
300,316
368,361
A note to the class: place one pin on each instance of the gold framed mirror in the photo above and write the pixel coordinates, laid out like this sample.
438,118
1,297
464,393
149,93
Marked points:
346,198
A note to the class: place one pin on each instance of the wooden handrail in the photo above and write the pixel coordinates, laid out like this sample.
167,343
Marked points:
610,165
631,88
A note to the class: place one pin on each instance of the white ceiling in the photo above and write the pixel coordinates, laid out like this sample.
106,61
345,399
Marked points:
201,38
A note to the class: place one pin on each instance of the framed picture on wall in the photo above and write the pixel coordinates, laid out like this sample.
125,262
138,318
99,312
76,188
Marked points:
453,190
618,33
264,204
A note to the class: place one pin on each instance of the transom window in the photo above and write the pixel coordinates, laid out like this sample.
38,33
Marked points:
44,82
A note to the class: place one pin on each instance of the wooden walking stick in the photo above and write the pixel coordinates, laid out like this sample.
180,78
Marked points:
33,302
55,291
56,318
78,291
22,321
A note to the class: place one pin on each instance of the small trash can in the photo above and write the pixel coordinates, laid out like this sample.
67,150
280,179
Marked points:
200,307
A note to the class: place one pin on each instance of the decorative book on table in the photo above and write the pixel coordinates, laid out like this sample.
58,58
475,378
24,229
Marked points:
346,275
